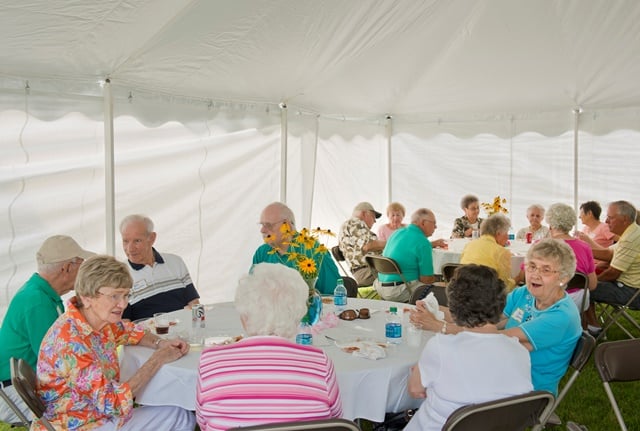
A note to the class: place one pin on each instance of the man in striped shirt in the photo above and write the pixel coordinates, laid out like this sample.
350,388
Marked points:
620,281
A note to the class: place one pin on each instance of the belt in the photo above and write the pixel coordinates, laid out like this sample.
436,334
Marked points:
6,383
392,283
357,268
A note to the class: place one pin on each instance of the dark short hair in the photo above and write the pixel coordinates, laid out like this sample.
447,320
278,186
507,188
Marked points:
593,207
468,200
476,296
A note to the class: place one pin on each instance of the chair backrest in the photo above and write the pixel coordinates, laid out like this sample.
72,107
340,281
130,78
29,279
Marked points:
23,378
617,361
352,287
448,270
439,291
514,413
580,280
339,257
581,354
317,425
384,265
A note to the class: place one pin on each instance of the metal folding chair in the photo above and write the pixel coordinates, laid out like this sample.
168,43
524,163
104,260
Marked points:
19,413
384,265
617,361
580,280
581,354
23,379
317,425
611,314
339,258
447,271
439,291
515,413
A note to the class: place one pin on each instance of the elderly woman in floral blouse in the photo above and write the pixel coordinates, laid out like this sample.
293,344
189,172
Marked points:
78,372
464,226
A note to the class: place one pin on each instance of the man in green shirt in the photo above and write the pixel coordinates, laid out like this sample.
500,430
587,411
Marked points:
34,308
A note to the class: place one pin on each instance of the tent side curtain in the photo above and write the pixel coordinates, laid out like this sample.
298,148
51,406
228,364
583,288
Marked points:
204,179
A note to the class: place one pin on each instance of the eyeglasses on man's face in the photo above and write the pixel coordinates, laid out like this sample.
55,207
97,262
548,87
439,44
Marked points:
544,271
270,226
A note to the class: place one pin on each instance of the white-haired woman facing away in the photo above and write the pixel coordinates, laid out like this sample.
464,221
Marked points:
266,377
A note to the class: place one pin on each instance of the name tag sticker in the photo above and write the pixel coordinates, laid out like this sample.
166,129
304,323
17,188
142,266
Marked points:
517,315
139,285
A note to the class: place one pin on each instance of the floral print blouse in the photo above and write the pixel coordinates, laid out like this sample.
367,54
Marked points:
460,225
79,372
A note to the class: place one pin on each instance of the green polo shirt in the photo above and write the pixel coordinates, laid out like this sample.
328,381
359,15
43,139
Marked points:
32,311
412,251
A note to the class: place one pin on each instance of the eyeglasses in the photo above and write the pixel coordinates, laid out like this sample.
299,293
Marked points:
543,271
427,219
270,226
363,313
116,298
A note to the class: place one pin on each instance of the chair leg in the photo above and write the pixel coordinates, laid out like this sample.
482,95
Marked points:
614,405
23,419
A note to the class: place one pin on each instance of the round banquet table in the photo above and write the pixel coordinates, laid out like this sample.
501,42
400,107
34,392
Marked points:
369,388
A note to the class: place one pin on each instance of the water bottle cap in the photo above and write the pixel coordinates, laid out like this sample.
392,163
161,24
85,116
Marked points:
340,281
393,309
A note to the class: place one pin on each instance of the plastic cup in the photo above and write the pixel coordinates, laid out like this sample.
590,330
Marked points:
161,322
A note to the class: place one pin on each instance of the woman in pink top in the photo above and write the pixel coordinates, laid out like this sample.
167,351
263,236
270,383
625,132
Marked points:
593,227
395,213
561,219
266,377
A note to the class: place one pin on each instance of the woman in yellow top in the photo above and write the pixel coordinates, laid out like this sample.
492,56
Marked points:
489,249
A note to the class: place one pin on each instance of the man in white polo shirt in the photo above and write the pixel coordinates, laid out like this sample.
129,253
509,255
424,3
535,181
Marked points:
161,282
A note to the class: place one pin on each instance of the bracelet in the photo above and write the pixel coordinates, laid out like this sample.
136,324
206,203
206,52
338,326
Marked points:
444,327
157,342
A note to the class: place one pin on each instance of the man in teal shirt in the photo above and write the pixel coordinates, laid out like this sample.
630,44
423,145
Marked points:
274,250
412,251
34,308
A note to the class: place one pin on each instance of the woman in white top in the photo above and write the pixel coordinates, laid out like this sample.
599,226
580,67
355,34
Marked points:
475,365
535,215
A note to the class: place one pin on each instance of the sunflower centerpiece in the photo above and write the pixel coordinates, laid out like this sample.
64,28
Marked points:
304,252
497,206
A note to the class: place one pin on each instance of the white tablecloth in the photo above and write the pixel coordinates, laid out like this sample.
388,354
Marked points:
518,251
368,388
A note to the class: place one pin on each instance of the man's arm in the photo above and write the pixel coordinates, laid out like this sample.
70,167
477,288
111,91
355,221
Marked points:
374,245
609,274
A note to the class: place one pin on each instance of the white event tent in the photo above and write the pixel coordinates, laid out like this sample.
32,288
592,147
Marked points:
200,112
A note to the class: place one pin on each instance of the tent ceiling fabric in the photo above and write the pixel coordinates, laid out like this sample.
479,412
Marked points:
412,59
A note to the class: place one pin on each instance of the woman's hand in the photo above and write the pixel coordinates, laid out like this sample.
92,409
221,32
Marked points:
171,350
423,319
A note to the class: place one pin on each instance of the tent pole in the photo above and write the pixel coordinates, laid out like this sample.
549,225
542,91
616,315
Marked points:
283,152
109,168
389,130
576,122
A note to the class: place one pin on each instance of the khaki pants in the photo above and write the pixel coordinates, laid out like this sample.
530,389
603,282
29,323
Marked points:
400,293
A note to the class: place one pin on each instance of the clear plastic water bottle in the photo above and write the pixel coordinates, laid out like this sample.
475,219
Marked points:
304,334
340,296
393,327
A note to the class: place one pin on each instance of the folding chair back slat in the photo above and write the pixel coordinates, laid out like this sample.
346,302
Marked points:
447,271
515,413
384,265
24,380
317,425
581,354
617,361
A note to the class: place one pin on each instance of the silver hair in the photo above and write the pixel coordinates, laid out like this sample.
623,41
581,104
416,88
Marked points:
420,214
50,268
495,224
100,271
558,251
626,209
561,216
271,300
137,218
536,207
